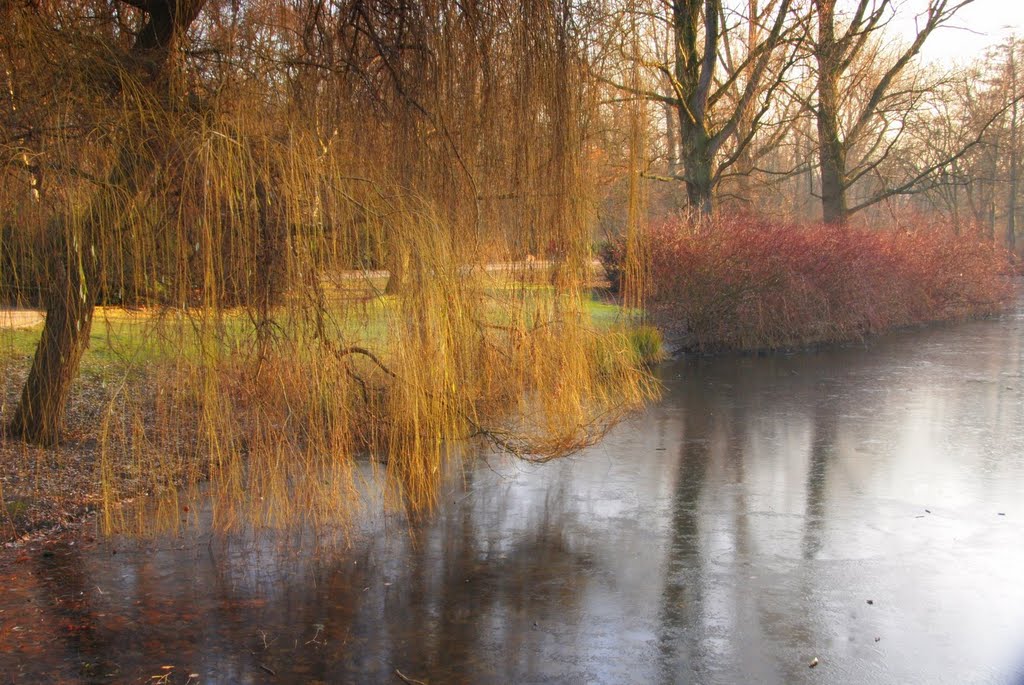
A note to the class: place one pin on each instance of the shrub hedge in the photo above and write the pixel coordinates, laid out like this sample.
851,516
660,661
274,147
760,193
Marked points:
748,283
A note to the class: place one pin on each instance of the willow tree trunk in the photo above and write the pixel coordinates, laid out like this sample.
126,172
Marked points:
71,297
70,303
73,289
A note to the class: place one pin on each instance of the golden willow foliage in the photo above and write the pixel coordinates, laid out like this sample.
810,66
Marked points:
304,148
635,261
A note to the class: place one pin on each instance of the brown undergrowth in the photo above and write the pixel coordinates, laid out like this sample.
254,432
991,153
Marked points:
44,489
745,283
273,432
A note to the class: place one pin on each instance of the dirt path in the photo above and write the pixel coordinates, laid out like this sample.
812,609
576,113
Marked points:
20,318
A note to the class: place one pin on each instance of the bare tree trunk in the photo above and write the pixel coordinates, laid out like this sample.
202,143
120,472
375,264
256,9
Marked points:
992,218
694,67
832,152
834,207
695,35
834,55
1011,203
746,122
697,160
672,140
955,187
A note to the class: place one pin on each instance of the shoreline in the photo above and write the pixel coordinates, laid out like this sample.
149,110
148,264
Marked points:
45,495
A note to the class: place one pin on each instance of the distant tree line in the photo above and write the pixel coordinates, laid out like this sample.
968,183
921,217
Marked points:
815,110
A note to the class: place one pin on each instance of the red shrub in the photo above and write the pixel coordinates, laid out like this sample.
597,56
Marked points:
747,283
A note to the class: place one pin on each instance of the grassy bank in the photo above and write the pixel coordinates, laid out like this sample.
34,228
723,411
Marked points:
138,424
138,337
744,283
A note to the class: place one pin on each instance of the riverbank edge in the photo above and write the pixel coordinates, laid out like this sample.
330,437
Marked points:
679,347
71,504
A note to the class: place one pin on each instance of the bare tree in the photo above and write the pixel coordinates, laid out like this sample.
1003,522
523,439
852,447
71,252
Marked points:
835,54
714,96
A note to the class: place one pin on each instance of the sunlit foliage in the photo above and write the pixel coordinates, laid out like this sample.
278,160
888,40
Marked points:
357,231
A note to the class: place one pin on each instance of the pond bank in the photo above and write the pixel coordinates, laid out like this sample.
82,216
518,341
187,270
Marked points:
857,508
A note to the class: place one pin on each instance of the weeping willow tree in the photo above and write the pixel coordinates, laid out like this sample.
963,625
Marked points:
245,175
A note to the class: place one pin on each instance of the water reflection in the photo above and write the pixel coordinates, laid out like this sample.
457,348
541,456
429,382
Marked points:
682,606
65,603
822,444
731,534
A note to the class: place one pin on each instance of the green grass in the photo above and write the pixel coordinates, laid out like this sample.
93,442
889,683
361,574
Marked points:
606,315
119,337
19,342
647,344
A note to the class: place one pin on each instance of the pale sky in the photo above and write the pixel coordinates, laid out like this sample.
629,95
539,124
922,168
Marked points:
974,28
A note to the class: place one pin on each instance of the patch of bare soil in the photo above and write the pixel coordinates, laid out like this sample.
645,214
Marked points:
44,490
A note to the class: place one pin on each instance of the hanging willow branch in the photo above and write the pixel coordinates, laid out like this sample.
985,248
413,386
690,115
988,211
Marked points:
289,164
